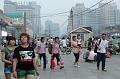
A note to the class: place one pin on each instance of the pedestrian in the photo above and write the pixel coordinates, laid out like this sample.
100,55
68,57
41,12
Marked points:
79,41
101,51
68,42
90,42
50,41
56,51
7,56
42,51
24,66
76,50
64,45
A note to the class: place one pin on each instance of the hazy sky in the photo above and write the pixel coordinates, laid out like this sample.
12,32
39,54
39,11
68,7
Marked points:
56,6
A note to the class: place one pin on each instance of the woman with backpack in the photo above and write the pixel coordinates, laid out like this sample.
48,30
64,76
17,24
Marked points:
7,56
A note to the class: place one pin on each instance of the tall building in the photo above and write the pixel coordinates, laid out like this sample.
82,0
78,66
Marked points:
13,18
9,6
93,20
81,18
32,11
37,19
109,15
52,29
76,19
98,19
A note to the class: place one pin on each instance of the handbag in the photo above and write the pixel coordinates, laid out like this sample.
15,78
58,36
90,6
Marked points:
52,63
108,55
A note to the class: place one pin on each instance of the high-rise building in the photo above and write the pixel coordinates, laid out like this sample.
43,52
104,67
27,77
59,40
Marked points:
9,6
76,18
52,29
98,19
32,11
37,19
109,15
93,20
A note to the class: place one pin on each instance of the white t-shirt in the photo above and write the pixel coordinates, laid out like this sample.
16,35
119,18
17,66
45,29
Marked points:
78,41
50,41
38,42
64,43
103,45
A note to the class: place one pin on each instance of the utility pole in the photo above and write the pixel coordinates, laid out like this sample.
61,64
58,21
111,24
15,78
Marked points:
71,16
25,22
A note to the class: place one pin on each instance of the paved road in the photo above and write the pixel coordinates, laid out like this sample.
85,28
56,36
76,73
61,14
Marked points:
86,70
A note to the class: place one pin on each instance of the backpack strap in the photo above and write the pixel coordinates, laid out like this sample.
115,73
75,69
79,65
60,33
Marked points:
99,42
9,54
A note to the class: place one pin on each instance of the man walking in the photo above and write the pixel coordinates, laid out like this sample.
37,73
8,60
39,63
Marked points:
101,51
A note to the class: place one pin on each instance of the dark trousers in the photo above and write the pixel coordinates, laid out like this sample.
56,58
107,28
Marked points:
57,57
76,57
44,59
101,57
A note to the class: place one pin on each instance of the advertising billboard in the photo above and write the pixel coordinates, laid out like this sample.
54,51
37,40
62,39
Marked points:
14,18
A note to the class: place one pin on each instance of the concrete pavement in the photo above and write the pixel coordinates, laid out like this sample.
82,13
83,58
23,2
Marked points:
86,70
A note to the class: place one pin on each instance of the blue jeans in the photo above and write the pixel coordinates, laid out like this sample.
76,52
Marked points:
8,69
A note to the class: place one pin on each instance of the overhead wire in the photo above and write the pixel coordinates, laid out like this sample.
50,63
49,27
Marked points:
99,7
60,13
91,10
90,7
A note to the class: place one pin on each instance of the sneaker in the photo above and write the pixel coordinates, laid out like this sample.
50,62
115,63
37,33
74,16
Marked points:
61,67
104,70
75,65
78,66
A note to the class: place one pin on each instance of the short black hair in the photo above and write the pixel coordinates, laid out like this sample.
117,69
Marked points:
56,38
42,38
104,34
63,37
73,37
8,38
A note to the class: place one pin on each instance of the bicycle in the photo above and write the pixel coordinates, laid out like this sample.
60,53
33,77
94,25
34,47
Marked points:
67,50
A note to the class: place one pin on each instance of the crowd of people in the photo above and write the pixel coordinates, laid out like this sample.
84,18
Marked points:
20,60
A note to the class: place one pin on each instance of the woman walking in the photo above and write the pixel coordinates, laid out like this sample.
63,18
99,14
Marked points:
24,66
76,51
56,52
7,56
42,51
